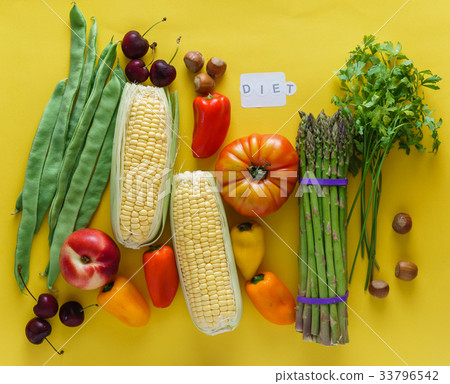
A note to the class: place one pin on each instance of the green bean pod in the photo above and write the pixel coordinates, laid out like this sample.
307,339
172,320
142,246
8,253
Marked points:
19,206
97,183
101,59
75,146
57,145
86,79
120,74
30,192
99,180
81,175
100,176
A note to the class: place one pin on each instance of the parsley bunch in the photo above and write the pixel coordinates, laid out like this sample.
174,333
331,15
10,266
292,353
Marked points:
384,92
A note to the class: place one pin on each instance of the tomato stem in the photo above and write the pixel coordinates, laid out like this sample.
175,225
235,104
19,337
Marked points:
258,172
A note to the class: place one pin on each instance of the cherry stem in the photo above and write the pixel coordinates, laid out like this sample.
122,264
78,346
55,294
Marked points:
178,46
152,47
92,305
58,352
19,268
160,21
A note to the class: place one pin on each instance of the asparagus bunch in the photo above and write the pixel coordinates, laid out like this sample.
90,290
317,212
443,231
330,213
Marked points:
324,146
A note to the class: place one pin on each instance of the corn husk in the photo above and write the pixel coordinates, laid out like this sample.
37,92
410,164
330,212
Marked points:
117,168
225,321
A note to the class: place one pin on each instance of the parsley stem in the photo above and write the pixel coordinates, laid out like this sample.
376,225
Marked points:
361,185
366,208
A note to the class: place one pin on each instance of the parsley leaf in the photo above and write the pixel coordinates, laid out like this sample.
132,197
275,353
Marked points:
383,90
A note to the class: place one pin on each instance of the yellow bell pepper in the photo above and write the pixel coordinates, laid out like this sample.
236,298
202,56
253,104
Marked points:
248,244
123,300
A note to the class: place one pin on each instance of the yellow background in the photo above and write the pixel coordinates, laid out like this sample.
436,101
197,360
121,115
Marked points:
308,40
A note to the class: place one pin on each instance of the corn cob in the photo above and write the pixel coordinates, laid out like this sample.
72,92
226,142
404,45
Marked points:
143,155
204,253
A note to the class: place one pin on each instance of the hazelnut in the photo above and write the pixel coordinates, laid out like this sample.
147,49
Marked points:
216,67
194,61
203,83
405,270
402,223
379,288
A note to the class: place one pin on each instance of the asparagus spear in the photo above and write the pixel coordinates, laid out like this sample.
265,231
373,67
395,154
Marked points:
331,277
324,146
310,145
303,269
341,279
307,312
316,129
312,281
303,260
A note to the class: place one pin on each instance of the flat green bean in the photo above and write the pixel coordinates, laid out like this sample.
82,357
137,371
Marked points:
98,182
19,205
30,191
120,74
57,145
86,80
82,174
76,143
100,176
101,59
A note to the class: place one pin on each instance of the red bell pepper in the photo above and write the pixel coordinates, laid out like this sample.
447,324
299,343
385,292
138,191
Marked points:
211,123
161,275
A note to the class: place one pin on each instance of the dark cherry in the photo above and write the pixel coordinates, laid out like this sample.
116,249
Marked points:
46,307
37,330
71,314
136,71
134,45
161,73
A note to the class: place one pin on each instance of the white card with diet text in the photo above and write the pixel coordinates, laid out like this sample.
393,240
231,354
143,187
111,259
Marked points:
268,89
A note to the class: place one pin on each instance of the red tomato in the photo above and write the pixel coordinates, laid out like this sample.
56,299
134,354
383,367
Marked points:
161,275
256,174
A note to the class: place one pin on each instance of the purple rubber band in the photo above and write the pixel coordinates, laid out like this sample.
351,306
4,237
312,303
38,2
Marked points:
318,301
323,181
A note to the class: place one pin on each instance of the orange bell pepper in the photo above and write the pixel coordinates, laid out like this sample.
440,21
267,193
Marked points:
271,298
123,300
